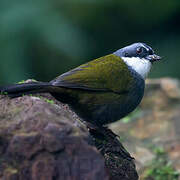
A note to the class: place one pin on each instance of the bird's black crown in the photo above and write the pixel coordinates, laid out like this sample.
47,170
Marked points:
140,50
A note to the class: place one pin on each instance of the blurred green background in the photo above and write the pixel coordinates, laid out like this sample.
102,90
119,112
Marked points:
41,39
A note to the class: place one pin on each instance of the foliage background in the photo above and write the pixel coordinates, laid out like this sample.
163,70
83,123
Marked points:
41,39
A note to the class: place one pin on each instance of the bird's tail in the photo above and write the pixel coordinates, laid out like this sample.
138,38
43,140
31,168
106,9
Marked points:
17,90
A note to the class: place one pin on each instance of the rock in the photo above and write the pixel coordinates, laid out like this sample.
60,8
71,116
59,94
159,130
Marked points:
46,141
38,141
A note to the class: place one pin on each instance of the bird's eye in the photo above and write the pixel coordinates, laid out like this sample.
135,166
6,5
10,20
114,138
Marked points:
139,50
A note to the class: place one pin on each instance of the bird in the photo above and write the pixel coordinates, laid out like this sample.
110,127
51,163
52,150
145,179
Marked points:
100,91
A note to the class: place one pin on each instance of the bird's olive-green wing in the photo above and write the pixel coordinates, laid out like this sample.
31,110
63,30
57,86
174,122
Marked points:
108,73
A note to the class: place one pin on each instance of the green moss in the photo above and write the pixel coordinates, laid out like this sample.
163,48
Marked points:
3,93
33,80
159,151
135,114
21,82
50,101
161,168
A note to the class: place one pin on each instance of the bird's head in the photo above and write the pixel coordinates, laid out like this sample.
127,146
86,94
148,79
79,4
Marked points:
139,57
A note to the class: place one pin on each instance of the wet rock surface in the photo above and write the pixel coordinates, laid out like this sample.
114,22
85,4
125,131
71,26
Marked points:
41,139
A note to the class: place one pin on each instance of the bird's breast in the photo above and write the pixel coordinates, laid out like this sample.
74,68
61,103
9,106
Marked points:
122,104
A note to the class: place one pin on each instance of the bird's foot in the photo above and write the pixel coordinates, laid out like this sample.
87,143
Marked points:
101,130
106,141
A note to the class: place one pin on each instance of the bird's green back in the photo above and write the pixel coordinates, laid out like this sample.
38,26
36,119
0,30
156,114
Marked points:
108,73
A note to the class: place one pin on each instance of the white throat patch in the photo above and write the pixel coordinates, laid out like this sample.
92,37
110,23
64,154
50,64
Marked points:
141,66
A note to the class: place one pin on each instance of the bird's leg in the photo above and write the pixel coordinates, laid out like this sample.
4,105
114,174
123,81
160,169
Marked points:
106,141
108,132
104,130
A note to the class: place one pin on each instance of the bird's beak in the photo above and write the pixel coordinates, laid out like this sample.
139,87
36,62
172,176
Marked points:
153,58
